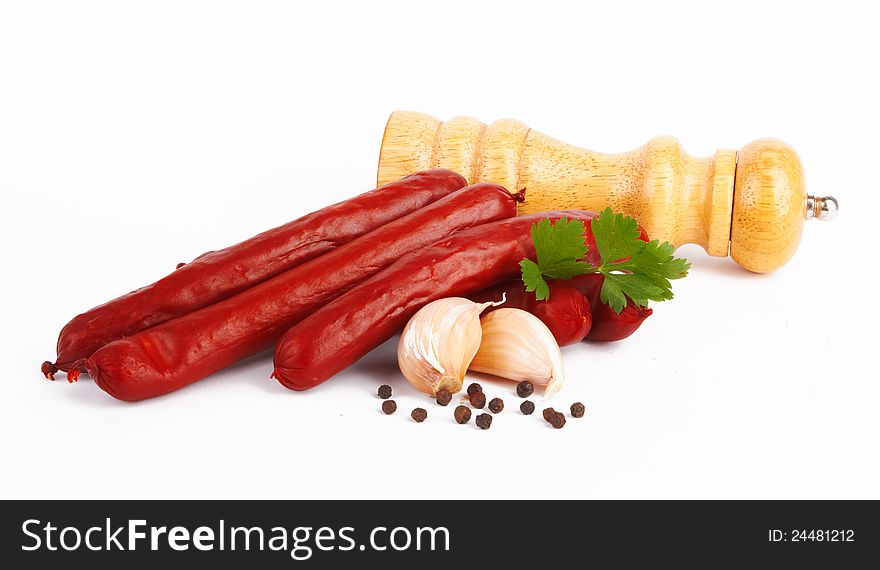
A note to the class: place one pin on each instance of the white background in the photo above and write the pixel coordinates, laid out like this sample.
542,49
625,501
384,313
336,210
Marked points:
137,135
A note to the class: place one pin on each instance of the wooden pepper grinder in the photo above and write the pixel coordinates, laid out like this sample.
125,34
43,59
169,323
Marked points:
749,204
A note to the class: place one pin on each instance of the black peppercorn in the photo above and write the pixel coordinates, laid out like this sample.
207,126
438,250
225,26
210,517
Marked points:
419,414
462,414
389,406
444,396
496,405
478,400
557,420
548,413
527,407
384,391
473,388
577,410
525,389
484,421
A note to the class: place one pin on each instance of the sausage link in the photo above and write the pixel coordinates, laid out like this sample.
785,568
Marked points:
188,348
609,326
338,334
218,275
566,313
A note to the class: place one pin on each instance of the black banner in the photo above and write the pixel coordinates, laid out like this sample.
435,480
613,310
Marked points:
281,534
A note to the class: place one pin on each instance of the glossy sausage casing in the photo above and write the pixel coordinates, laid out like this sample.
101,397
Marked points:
566,313
609,326
183,350
217,275
337,335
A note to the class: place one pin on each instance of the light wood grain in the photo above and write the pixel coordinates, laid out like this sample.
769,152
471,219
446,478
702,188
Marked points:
769,206
676,197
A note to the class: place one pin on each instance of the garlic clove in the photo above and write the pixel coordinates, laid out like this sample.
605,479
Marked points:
516,345
439,342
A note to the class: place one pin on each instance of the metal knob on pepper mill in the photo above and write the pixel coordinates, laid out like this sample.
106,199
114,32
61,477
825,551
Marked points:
750,204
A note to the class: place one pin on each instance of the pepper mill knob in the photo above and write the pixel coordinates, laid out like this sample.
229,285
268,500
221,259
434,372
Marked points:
821,208
750,204
769,206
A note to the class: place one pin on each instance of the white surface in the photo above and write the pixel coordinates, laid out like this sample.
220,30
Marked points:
137,135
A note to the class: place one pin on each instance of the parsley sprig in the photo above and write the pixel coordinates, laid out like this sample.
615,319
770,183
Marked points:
632,268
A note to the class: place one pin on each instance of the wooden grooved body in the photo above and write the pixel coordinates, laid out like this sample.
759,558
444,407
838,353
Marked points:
748,204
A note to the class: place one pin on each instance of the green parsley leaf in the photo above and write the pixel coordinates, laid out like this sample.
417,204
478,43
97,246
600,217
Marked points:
655,260
640,288
632,269
558,248
531,276
617,236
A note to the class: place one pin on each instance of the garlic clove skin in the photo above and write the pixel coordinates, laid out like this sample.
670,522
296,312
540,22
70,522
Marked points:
516,345
439,342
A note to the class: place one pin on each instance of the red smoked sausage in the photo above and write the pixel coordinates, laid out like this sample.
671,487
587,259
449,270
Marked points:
217,275
566,313
609,326
183,350
339,333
